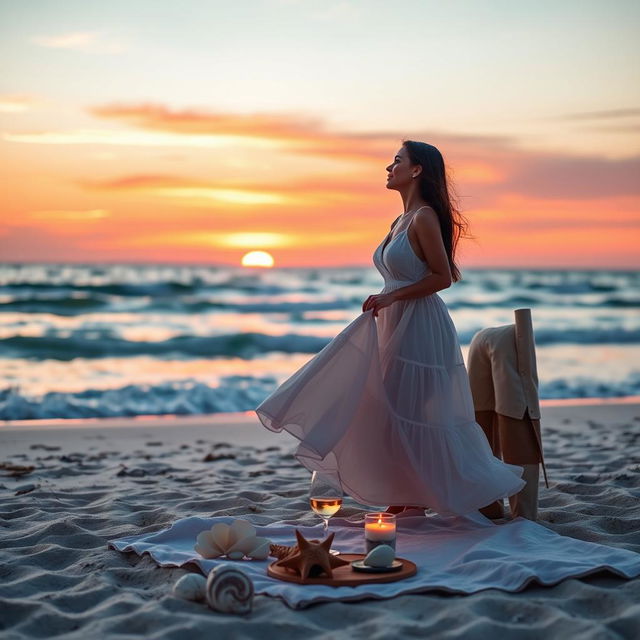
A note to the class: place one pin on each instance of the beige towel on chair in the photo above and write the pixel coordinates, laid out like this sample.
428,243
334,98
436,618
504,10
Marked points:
503,373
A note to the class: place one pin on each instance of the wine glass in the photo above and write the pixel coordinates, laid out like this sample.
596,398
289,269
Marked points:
325,498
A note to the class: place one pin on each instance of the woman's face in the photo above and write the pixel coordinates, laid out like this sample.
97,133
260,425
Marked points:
400,170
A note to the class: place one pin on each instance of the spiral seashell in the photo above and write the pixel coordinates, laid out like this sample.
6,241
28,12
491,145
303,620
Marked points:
229,590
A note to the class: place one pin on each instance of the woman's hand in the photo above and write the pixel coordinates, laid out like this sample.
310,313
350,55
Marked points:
377,302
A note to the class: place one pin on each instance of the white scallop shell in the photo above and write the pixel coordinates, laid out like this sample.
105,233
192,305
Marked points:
243,545
220,534
241,529
235,541
381,556
206,547
191,587
229,590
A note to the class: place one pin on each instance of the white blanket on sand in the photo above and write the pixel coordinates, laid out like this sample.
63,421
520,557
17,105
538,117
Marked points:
454,554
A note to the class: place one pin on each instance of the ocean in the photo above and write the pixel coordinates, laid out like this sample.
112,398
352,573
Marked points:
83,341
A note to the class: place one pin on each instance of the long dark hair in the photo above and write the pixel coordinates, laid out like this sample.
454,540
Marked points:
437,192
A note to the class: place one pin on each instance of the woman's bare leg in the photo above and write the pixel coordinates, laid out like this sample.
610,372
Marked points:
488,421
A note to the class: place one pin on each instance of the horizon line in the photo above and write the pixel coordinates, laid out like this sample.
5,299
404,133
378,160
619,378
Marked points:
141,263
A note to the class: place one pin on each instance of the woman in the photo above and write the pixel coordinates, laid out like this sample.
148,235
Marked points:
385,407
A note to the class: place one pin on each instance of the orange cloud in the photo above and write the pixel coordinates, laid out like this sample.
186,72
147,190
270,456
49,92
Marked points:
479,173
292,131
525,208
193,191
539,232
61,224
477,160
17,102
84,216
320,190
244,240
285,126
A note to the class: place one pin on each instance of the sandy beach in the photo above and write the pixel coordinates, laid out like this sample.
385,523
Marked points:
69,487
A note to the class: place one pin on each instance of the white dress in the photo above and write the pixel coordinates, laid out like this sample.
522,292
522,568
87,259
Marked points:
386,408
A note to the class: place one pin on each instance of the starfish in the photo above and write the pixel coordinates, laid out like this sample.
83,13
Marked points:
312,559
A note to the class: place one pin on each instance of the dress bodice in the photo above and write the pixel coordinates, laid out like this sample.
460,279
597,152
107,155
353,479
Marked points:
396,260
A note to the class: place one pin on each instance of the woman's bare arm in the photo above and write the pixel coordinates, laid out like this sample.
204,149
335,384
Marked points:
427,227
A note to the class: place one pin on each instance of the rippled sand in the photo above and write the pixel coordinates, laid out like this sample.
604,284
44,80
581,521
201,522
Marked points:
66,491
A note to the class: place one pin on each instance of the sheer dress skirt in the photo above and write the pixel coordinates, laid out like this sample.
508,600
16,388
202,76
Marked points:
386,409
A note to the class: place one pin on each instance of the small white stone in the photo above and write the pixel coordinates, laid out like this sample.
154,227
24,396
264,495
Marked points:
191,587
382,556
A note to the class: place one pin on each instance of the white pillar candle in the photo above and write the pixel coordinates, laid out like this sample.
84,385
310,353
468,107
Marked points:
377,532
379,528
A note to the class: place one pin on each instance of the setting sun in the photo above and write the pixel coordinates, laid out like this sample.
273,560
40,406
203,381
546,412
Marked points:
257,259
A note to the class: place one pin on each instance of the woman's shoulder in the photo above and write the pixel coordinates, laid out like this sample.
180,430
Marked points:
425,216
426,211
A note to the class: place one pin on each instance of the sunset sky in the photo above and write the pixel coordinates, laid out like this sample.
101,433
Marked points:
196,131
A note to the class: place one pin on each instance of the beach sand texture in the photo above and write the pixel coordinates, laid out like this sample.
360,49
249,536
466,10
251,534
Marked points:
95,481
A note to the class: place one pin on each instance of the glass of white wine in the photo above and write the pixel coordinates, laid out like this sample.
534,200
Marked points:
325,498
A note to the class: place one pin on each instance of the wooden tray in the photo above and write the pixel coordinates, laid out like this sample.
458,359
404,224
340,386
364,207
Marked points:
344,576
